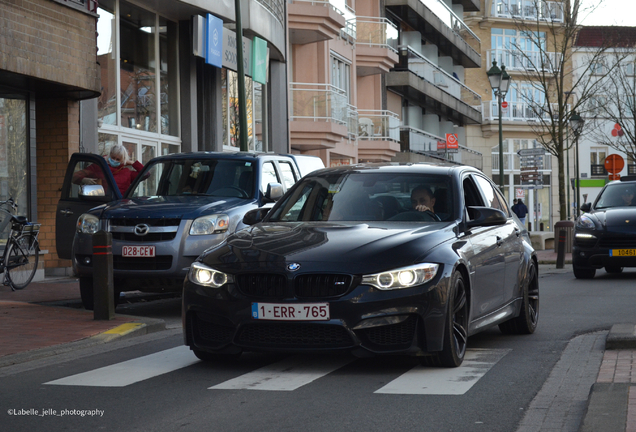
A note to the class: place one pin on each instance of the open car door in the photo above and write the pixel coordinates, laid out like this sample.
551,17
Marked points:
84,171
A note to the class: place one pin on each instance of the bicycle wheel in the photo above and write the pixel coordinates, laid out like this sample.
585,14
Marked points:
22,261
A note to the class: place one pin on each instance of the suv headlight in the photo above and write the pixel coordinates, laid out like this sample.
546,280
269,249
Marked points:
87,224
585,222
403,277
213,224
203,275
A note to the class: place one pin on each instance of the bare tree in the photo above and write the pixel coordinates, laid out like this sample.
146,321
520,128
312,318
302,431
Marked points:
612,110
550,76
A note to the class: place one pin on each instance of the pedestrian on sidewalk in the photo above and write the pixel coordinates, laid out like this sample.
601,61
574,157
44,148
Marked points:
520,210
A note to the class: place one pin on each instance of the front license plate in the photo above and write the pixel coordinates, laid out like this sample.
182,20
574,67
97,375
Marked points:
291,312
622,252
138,251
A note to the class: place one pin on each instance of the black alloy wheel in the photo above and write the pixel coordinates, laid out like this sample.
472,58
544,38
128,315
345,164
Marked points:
528,318
456,329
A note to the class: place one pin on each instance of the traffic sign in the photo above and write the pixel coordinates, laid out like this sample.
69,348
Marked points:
531,152
504,104
614,163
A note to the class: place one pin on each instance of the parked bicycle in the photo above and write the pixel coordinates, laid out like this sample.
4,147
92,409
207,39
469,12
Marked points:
19,260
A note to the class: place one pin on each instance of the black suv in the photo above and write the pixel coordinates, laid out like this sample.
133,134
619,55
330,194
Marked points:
605,236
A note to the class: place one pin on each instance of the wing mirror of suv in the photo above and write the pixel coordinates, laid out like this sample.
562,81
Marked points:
274,191
91,191
586,207
255,216
485,216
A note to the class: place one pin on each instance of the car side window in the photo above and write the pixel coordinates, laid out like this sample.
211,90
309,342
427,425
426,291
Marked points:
287,173
268,175
472,196
87,173
492,196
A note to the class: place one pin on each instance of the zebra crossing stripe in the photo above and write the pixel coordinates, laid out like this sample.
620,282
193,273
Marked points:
132,371
286,375
452,381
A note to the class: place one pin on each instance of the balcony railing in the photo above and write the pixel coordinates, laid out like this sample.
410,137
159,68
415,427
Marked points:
432,73
598,170
320,102
352,124
516,111
375,32
417,140
527,61
448,17
527,10
276,7
378,125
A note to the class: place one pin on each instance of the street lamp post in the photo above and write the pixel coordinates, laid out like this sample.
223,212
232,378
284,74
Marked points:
577,126
500,82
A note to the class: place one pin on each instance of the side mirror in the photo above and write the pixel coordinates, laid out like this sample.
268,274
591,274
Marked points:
485,216
274,191
91,191
255,216
586,207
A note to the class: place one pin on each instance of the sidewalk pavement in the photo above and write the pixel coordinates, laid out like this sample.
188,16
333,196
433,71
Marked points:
33,326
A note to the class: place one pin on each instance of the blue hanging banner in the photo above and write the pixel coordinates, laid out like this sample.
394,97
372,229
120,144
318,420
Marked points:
214,41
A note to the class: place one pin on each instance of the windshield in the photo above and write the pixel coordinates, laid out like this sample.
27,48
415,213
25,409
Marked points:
616,195
210,177
367,196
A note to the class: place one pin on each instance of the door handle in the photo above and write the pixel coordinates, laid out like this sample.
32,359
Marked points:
66,212
499,241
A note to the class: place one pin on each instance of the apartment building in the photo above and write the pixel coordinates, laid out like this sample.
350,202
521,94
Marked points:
384,80
502,26
609,113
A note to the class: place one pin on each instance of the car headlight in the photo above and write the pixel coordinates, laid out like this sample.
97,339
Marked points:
87,224
203,275
585,222
403,277
213,224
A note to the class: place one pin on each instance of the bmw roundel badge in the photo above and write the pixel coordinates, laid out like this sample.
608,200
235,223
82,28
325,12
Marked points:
293,266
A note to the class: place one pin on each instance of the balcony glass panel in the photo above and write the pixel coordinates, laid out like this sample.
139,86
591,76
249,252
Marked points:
376,32
516,111
378,125
513,60
319,102
430,72
527,10
455,23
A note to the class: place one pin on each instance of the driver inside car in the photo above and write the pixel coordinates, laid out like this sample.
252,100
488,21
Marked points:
422,199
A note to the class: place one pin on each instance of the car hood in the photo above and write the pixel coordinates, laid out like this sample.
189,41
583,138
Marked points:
348,248
618,219
182,207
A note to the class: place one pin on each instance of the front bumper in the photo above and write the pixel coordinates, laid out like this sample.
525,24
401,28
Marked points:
365,321
162,273
596,252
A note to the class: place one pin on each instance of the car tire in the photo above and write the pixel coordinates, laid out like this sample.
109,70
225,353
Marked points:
456,328
86,293
614,269
215,357
584,272
528,318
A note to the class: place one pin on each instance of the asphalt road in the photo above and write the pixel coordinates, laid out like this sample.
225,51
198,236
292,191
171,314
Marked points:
171,390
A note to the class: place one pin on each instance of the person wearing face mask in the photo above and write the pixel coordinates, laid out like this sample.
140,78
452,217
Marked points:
118,161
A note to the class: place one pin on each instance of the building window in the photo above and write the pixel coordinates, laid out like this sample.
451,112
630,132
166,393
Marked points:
14,151
341,75
597,161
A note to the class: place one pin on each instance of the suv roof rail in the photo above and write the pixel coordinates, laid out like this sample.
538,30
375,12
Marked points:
628,178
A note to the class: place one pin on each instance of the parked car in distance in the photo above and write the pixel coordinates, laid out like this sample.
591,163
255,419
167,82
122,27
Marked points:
338,264
605,235
178,206
307,163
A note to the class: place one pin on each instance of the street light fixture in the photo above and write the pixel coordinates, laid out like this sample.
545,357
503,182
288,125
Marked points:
577,127
500,82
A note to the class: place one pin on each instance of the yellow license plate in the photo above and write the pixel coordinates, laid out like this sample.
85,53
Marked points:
623,252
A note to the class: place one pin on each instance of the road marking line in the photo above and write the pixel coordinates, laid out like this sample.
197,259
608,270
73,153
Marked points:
452,381
132,371
124,328
286,375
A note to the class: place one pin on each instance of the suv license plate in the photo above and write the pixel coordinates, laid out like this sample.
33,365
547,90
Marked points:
291,312
622,252
138,251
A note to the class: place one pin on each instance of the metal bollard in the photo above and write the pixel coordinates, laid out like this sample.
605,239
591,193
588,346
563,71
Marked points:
103,302
561,249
